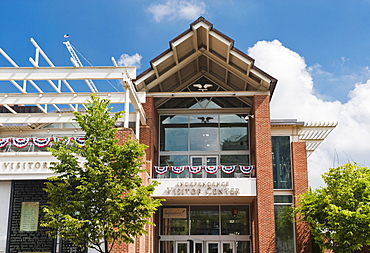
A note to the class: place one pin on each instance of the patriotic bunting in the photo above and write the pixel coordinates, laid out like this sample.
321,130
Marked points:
4,142
41,142
195,169
178,169
161,170
80,141
208,169
246,169
211,169
228,169
21,142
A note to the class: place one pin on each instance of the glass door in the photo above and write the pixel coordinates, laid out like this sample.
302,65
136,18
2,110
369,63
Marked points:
212,247
227,247
198,247
204,161
182,247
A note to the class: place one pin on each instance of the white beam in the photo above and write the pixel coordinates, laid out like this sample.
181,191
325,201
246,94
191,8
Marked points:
24,118
62,98
67,73
208,94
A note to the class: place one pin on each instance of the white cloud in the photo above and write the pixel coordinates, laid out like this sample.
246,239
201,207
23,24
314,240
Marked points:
295,98
127,60
177,9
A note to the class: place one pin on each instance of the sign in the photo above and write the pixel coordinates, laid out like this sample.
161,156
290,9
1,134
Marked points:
203,189
174,213
29,216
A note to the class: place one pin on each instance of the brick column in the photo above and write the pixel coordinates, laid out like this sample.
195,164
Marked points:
300,185
263,217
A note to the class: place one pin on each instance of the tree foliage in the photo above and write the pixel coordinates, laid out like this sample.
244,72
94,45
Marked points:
103,201
339,214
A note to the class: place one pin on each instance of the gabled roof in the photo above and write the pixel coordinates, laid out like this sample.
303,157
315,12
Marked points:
203,55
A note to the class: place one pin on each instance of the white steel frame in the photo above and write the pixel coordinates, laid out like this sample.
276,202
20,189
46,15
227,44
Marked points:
56,77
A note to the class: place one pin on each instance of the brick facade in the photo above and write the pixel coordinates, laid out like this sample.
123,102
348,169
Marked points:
263,207
300,185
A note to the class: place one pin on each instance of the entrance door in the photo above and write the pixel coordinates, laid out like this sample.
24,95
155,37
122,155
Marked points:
198,247
204,161
213,247
182,247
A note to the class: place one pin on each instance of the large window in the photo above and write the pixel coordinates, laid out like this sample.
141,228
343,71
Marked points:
284,227
194,140
281,162
205,220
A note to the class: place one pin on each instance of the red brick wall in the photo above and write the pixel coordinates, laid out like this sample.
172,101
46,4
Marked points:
263,212
145,242
300,185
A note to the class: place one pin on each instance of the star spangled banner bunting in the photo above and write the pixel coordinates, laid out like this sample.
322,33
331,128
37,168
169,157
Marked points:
4,142
20,142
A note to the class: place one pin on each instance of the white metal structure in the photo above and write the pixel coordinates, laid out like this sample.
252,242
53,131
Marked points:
77,63
51,104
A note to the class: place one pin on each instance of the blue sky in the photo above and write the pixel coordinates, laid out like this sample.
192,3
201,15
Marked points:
323,46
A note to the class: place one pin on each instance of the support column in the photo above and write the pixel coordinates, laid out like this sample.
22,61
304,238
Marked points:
127,106
300,185
263,217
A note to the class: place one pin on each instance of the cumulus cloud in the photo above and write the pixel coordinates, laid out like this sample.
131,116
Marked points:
177,9
295,98
127,60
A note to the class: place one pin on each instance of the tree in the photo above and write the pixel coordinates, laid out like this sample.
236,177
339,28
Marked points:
339,214
103,201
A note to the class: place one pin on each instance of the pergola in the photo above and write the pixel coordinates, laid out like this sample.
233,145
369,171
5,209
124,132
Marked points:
33,85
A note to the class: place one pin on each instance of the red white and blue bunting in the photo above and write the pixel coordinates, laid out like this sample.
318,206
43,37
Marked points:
41,142
178,169
209,169
4,142
228,169
195,169
80,141
161,170
20,142
246,169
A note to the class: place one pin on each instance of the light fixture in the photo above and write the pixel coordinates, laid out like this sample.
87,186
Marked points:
234,212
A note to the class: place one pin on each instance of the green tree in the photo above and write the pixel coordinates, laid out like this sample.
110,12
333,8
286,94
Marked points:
339,214
103,201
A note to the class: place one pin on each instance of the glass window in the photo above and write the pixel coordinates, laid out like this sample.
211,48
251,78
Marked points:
174,133
284,228
204,133
233,138
175,221
166,247
283,199
234,220
243,247
281,162
204,220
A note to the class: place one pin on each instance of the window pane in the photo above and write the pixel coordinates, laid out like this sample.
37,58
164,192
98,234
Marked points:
174,225
204,220
233,138
174,160
230,160
204,132
283,199
243,247
284,228
166,247
174,133
235,220
281,162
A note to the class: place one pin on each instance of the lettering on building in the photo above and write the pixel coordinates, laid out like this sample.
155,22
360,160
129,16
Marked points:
202,189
